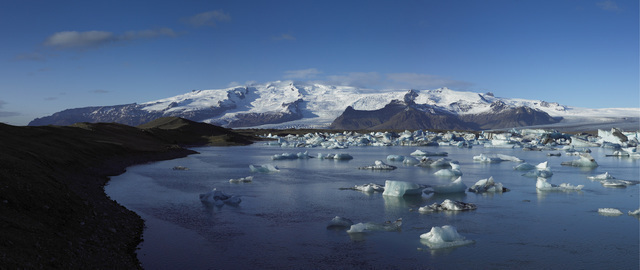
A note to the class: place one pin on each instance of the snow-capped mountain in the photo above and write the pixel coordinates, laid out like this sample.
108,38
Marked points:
285,104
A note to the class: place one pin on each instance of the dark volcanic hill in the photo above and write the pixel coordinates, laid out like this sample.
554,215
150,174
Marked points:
54,213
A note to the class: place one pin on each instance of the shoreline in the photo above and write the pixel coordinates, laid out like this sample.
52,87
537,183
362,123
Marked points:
55,213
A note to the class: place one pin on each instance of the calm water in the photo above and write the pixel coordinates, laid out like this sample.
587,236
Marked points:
281,222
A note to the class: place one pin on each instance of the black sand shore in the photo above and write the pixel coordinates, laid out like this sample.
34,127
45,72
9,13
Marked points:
53,209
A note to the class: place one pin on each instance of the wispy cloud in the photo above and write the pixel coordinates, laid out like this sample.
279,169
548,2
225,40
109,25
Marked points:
209,18
609,5
4,113
99,91
284,37
424,81
32,56
302,74
94,39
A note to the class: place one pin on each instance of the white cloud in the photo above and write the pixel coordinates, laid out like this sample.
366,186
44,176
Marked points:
609,5
208,18
284,37
99,91
94,39
357,79
424,81
302,74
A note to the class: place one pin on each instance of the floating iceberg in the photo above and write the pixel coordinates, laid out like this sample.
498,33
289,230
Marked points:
401,188
395,158
284,156
242,180
618,183
219,198
541,170
609,211
493,158
603,176
448,205
444,237
457,186
378,165
427,153
339,156
439,163
263,168
368,188
487,185
454,171
586,160
524,167
410,161
543,185
370,226
339,223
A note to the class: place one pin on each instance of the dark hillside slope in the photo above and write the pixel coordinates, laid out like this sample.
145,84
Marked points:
54,212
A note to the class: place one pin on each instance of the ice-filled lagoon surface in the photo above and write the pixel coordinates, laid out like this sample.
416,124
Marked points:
281,221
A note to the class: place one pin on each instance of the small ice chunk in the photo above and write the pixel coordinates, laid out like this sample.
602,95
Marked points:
342,156
378,165
368,188
586,160
487,185
263,168
444,237
395,158
427,153
370,226
410,161
219,198
242,180
618,183
401,188
493,158
180,168
524,167
339,223
448,205
603,176
542,184
635,212
454,171
609,211
457,186
284,156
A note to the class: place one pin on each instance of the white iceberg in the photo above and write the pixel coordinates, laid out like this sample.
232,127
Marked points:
454,171
410,161
524,167
378,165
219,198
448,205
493,158
609,211
618,183
541,170
284,156
543,185
444,237
339,223
263,168
427,153
401,188
457,186
370,226
367,188
487,185
395,158
242,180
339,156
586,160
603,176
439,163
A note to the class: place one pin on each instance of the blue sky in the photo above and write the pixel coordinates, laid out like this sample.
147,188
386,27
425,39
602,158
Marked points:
66,54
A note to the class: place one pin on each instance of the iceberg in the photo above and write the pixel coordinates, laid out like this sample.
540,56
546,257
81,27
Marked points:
541,170
487,185
427,153
370,226
410,161
618,183
609,211
454,171
219,198
457,186
395,158
242,180
339,223
524,167
401,188
603,176
586,160
284,156
543,185
263,168
635,212
339,156
448,205
444,237
439,163
489,158
378,165
367,188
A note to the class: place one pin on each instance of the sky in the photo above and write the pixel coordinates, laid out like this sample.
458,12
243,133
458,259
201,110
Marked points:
57,55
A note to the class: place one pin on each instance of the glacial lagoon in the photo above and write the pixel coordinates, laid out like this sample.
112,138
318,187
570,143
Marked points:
283,217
